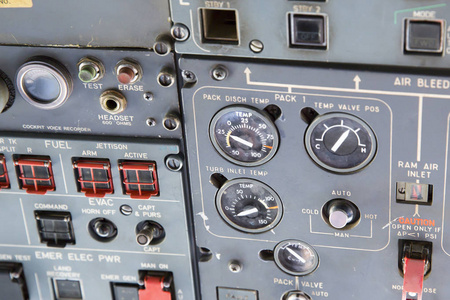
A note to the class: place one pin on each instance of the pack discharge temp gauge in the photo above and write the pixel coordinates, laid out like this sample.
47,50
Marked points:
244,135
249,205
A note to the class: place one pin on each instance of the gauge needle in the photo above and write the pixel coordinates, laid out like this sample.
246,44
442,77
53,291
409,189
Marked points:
296,255
248,212
242,141
340,141
263,203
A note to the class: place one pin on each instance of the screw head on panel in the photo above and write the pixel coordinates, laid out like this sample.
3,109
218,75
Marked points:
219,73
188,76
256,46
126,210
148,96
174,163
180,32
151,122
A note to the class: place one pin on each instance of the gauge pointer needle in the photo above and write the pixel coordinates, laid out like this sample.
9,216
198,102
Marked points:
242,141
297,256
247,212
340,141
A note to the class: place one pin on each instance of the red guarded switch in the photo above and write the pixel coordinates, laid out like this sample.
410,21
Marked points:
4,178
414,270
154,289
35,174
94,177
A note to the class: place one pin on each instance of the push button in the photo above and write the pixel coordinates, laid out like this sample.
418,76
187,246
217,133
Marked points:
125,292
68,290
12,281
224,293
308,30
424,36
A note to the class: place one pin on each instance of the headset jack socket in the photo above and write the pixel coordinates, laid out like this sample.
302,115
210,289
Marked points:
113,102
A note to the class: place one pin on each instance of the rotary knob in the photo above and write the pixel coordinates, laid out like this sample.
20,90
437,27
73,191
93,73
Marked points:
296,295
7,93
341,214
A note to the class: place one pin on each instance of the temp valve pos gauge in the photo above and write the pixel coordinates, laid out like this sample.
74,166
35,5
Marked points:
244,135
340,142
296,257
249,205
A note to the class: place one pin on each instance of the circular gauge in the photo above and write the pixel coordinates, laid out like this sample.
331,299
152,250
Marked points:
44,83
340,142
249,205
296,257
244,135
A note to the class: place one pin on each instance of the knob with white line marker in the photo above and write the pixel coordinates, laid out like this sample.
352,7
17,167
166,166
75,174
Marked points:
340,143
244,135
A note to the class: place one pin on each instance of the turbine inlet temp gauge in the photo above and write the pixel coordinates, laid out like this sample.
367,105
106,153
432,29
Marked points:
249,205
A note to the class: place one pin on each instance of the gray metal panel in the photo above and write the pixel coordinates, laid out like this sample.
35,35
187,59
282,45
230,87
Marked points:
86,23
359,31
94,263
411,125
82,109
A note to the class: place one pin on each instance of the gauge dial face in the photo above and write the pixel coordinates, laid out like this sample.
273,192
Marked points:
244,135
249,205
340,142
44,83
296,257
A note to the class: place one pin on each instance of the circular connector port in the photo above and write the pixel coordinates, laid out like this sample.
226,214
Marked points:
44,83
113,102
102,230
90,70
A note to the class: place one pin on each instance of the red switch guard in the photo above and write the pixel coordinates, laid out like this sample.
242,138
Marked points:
414,270
154,289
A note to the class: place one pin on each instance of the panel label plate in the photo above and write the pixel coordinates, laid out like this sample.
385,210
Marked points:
16,3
